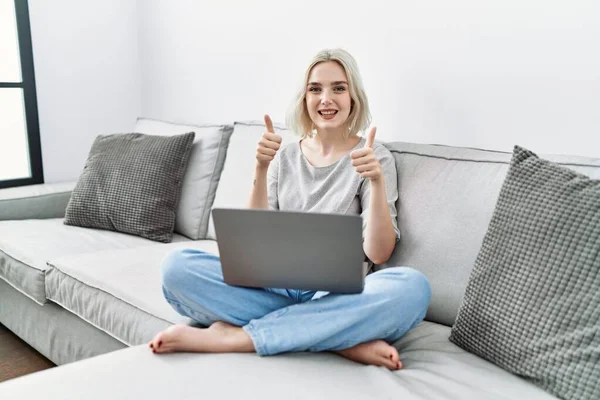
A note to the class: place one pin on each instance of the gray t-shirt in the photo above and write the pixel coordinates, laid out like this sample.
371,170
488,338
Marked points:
295,185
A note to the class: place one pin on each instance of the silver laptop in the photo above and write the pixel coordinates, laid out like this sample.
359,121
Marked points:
291,250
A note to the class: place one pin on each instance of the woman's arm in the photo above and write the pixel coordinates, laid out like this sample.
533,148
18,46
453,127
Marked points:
380,237
379,233
267,148
258,194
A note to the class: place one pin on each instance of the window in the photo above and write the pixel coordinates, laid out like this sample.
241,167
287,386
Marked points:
20,151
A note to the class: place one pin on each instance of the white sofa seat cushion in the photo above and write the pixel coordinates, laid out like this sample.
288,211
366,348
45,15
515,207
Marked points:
237,175
435,369
26,246
118,291
202,174
446,199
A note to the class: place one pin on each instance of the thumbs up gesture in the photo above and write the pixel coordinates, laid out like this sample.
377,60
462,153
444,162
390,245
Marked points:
364,160
268,145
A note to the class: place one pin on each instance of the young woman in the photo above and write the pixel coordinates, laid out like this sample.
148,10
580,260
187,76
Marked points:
331,170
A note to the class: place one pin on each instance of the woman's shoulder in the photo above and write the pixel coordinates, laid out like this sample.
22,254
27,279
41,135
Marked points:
288,152
289,149
291,146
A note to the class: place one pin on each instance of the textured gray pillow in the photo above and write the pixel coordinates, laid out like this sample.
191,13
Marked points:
532,304
131,183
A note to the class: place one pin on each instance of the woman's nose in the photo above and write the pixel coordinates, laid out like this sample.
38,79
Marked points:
325,98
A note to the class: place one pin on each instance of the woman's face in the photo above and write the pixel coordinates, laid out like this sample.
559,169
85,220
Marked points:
327,96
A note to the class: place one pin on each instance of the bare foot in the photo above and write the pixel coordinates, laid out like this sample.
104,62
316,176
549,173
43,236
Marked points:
221,337
376,352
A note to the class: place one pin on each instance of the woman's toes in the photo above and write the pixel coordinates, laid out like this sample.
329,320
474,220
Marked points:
163,349
396,359
156,343
394,356
391,364
390,355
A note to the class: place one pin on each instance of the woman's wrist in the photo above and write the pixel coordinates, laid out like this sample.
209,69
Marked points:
378,184
260,174
260,169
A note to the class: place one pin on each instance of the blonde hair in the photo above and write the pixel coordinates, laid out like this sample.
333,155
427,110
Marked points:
359,119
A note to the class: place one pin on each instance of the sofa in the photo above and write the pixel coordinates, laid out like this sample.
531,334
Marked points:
90,300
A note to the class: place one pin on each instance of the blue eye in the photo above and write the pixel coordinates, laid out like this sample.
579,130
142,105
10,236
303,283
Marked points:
314,89
339,88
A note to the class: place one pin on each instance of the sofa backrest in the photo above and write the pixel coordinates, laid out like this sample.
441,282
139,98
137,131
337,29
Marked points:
446,199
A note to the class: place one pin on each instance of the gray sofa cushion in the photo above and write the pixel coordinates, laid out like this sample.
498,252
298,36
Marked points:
118,291
131,183
532,304
202,174
446,200
25,246
435,369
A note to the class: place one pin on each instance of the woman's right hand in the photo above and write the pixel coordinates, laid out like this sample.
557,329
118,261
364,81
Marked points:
268,145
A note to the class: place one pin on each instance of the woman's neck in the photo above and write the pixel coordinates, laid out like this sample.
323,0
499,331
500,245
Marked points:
328,142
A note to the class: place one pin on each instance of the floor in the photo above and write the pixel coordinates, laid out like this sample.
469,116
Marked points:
17,358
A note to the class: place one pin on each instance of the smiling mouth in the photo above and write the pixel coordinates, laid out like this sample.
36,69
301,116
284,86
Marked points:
328,113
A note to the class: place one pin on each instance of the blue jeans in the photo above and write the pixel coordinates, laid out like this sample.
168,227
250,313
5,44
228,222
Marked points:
393,301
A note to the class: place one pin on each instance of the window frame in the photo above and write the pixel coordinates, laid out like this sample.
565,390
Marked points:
27,84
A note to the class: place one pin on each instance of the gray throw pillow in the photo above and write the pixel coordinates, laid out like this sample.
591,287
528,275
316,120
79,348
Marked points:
532,304
131,183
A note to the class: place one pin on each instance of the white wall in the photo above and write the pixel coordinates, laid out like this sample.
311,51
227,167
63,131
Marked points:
475,73
87,76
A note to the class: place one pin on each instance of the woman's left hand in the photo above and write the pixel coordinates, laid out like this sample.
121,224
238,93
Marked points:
364,160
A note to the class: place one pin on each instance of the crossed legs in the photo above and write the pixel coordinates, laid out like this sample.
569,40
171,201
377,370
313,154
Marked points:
360,326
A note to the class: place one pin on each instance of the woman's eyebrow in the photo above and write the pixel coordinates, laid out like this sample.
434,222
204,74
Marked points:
332,83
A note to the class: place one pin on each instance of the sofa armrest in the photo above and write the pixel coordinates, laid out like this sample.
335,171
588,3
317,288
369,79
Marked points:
35,201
